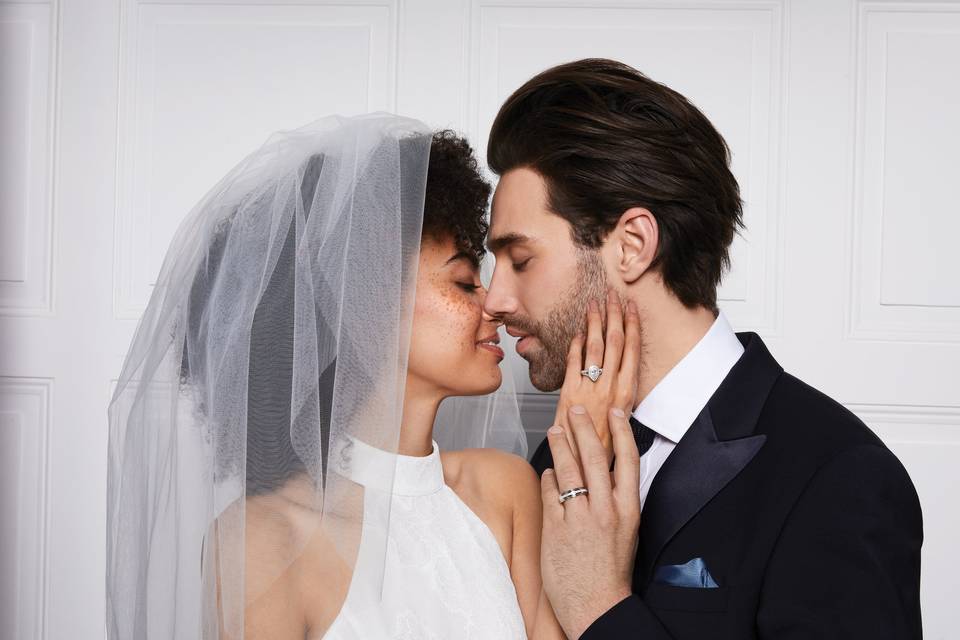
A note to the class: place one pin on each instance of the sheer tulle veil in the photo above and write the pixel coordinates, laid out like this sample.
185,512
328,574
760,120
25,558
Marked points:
276,335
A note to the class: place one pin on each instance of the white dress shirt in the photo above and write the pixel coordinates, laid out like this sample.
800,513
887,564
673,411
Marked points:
672,406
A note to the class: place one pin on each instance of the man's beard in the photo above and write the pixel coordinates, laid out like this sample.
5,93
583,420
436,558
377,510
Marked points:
567,318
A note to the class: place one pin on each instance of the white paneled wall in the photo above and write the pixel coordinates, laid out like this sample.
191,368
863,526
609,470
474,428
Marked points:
24,430
27,71
906,265
210,82
117,115
729,60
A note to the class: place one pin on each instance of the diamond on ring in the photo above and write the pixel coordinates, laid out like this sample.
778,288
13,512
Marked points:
593,372
572,493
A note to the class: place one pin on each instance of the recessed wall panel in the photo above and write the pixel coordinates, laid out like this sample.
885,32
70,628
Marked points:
204,85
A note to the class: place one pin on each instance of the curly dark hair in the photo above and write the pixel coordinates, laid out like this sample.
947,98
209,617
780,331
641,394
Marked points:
455,203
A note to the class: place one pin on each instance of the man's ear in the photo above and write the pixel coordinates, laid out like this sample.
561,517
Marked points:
636,239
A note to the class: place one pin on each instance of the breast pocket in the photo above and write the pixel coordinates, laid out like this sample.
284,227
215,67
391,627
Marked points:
670,598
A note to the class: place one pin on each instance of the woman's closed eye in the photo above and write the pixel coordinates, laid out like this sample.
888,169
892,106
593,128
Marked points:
468,286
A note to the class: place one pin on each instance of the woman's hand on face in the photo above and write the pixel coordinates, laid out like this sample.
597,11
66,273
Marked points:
617,353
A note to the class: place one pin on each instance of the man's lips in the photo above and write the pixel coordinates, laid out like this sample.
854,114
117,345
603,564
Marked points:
525,340
522,344
516,333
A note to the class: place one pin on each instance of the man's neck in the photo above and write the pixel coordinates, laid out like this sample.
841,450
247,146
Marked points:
669,334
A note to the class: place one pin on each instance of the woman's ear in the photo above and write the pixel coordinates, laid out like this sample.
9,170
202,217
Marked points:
634,241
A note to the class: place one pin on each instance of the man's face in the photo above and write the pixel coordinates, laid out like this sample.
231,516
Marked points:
542,281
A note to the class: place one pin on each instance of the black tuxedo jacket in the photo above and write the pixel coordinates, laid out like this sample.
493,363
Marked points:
806,521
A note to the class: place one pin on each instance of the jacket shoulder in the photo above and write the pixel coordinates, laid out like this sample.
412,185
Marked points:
809,420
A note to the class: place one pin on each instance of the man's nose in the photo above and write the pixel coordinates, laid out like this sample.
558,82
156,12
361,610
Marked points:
500,300
489,318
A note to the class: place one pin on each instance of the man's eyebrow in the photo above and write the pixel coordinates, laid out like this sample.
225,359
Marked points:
502,242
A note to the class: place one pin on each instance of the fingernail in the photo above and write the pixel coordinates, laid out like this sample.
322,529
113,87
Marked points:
547,472
555,430
618,412
577,409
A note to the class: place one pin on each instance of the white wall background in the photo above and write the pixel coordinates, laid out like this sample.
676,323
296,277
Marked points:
116,115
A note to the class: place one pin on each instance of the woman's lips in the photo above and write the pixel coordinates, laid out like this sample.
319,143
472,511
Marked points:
493,349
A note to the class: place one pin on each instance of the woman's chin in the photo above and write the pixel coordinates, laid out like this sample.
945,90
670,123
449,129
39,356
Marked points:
480,382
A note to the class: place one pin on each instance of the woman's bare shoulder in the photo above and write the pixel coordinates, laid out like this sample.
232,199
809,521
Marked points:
499,487
296,577
496,474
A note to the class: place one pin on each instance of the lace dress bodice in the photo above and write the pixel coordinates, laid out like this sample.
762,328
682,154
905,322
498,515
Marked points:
445,576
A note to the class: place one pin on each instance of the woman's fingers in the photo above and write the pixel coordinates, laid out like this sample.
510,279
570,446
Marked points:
613,344
550,495
594,336
628,378
571,381
574,359
626,470
593,456
566,467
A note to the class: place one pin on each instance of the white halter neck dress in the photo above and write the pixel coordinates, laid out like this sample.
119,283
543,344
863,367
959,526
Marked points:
445,576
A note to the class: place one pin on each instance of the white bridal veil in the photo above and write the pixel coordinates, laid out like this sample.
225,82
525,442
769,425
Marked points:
276,335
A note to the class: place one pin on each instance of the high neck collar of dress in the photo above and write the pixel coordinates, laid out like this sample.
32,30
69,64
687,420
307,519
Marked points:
389,472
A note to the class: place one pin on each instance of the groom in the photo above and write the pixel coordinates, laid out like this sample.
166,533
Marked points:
767,510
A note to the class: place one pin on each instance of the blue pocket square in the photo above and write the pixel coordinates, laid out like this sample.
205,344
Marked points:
693,574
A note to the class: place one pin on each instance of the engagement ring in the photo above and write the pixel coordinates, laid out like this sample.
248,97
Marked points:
593,372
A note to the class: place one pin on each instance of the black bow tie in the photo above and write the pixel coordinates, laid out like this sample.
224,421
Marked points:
642,434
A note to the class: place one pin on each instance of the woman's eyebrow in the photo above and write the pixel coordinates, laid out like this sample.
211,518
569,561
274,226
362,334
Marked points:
462,255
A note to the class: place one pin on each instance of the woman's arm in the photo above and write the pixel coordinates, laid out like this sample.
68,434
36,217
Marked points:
538,615
504,491
546,626
272,601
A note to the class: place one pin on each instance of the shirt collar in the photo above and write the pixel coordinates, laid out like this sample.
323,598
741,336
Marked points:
672,406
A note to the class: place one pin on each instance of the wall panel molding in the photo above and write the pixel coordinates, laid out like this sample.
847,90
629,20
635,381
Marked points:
747,106
904,265
29,42
248,70
24,434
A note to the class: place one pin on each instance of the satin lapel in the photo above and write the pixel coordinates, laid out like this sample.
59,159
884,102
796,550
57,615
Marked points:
699,467
709,455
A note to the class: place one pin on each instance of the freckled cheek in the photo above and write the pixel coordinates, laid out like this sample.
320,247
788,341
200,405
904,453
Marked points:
460,316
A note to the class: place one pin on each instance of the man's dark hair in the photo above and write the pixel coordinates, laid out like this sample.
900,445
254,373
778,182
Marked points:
455,203
605,138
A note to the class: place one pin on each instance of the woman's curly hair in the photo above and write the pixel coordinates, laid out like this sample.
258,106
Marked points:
457,195
455,207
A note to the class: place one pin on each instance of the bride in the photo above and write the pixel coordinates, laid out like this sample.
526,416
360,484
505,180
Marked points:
273,467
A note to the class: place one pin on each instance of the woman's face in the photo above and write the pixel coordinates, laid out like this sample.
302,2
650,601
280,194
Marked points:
450,342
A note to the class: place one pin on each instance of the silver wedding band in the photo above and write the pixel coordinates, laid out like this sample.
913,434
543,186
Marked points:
573,493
